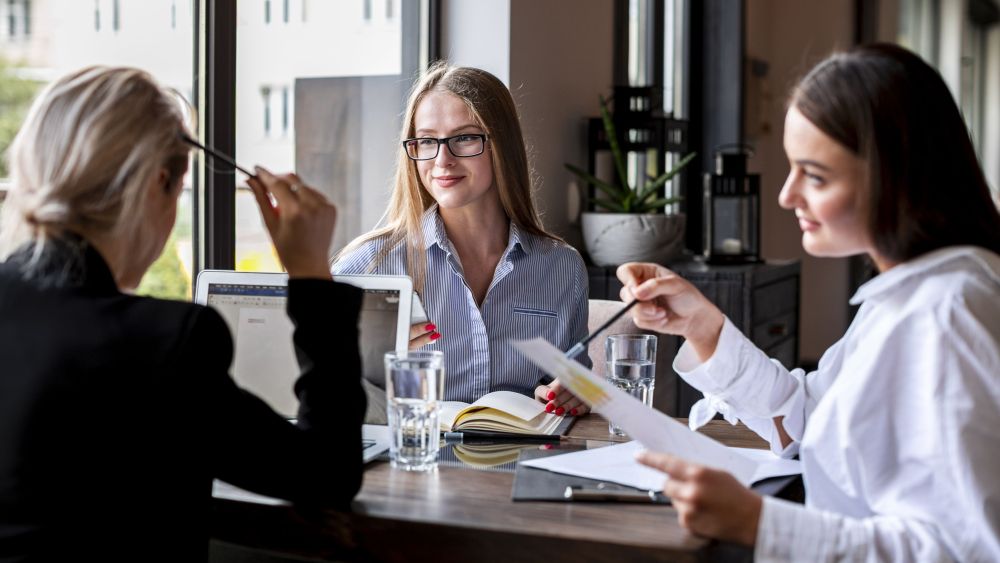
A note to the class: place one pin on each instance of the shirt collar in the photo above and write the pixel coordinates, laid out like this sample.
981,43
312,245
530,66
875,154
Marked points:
435,233
885,282
69,261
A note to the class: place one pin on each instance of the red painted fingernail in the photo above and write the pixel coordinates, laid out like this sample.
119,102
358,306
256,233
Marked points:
573,412
560,410
430,326
435,335
550,407
551,395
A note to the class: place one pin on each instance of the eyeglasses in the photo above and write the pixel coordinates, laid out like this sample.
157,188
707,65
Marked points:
427,148
217,155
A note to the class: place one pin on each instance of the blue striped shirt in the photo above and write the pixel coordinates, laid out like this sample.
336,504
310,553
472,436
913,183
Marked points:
539,288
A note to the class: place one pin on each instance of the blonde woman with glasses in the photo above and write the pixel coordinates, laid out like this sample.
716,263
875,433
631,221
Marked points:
118,411
462,224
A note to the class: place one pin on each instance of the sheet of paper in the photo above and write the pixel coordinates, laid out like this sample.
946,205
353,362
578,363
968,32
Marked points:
617,464
613,464
655,430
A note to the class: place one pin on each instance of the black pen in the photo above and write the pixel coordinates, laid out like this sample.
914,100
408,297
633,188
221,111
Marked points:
218,155
497,437
608,495
582,345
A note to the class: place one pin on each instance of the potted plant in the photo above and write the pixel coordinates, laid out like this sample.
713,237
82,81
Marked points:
630,229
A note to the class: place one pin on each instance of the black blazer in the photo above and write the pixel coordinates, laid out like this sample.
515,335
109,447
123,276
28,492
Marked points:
117,412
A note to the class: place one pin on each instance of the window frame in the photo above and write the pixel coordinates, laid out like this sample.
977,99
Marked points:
214,192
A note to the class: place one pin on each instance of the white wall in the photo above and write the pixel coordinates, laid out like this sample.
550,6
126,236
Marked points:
477,34
791,36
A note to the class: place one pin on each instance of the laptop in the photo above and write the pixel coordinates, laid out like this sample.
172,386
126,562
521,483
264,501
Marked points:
253,306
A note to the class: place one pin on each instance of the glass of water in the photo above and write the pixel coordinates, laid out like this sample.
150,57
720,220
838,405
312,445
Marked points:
631,367
414,387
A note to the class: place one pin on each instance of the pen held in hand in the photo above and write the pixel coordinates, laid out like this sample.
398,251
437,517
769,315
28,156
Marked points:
217,155
582,345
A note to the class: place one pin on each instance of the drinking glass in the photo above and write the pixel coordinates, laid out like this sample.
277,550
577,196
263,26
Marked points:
414,387
631,362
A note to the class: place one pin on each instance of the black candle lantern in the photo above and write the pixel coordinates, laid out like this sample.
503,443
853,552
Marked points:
732,210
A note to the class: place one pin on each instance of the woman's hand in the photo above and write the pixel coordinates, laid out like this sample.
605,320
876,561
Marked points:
301,224
709,502
422,334
672,305
559,400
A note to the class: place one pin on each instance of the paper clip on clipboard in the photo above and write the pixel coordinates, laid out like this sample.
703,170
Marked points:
602,494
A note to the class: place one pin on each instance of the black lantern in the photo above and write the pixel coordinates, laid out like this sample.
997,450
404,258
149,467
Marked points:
732,210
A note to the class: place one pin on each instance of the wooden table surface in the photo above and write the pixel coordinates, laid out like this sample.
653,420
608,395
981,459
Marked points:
457,513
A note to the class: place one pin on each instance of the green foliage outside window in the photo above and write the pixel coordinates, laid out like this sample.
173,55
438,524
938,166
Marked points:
16,94
166,278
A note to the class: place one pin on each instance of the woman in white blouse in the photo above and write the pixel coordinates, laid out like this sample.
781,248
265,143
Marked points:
898,430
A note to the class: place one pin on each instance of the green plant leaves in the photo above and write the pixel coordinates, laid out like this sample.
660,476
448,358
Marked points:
616,151
623,198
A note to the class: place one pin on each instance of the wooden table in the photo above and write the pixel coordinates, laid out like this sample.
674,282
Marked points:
464,514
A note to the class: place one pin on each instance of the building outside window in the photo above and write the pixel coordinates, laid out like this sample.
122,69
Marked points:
284,111
961,38
265,93
341,78
340,85
61,40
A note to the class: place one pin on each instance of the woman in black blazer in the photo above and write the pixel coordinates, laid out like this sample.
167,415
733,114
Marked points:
117,411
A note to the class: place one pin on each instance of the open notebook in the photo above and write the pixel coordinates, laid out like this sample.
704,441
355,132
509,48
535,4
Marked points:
504,412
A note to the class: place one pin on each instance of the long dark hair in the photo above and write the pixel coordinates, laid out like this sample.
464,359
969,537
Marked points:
926,187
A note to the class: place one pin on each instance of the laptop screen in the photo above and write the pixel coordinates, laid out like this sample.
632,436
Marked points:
264,360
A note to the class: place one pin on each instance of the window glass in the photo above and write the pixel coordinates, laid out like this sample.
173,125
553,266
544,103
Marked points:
320,95
45,40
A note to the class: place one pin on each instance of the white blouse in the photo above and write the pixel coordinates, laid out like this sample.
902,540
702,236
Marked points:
898,430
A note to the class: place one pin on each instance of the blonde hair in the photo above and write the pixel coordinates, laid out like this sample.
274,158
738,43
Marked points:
493,110
89,145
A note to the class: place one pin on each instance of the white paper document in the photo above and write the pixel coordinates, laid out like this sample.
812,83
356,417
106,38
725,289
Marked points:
617,464
653,429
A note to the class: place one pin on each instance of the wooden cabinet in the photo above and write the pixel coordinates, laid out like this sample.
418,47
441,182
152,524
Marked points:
762,300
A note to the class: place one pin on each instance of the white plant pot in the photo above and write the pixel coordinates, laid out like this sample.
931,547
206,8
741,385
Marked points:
616,238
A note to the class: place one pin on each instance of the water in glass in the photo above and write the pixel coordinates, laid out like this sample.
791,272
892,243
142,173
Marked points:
415,434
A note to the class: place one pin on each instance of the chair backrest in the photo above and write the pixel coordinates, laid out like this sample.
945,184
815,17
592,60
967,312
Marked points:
600,311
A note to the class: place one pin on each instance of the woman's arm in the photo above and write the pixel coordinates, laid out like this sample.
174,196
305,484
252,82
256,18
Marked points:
712,504
717,359
317,461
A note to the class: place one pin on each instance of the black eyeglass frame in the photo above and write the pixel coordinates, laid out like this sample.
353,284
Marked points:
447,142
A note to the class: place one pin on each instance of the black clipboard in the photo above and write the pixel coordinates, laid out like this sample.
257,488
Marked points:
532,484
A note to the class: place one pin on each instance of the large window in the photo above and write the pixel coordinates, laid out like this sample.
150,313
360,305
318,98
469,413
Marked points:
319,89
321,94
961,38
45,40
